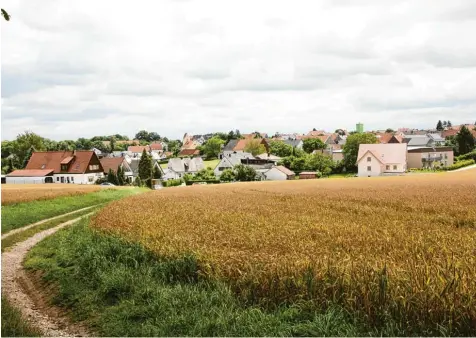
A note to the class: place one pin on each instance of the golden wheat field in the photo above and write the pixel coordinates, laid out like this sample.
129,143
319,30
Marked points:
405,246
18,193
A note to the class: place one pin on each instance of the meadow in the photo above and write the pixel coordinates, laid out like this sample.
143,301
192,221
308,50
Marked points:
390,249
18,215
20,193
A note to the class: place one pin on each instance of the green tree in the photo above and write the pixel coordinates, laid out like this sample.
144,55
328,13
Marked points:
389,130
145,168
138,182
112,141
211,148
206,174
439,125
121,176
222,136
311,144
244,173
157,172
320,162
228,175
448,124
255,147
112,177
281,149
142,135
465,140
351,148
27,157
26,141
153,136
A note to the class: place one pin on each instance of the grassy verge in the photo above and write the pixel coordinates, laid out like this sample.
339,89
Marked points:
17,215
23,235
13,324
121,289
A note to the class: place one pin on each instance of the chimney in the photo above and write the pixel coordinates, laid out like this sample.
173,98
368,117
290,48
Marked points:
74,153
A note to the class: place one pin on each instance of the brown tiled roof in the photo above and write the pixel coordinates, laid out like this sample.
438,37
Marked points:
308,173
111,163
138,149
52,160
241,144
31,173
285,170
189,152
66,160
155,146
323,138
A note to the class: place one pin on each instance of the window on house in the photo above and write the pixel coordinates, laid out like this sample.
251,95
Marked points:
57,179
388,167
369,168
446,156
93,166
369,159
64,167
43,166
72,179
394,167
90,178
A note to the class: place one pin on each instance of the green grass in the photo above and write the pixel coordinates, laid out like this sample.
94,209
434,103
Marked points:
24,235
17,215
13,324
208,164
120,289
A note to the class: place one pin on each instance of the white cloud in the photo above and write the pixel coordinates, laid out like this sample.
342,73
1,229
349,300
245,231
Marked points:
90,68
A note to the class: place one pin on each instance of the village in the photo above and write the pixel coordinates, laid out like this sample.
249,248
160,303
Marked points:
257,156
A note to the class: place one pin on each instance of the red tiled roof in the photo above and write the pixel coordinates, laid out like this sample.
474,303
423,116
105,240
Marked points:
52,160
111,163
155,146
189,152
138,149
31,173
66,160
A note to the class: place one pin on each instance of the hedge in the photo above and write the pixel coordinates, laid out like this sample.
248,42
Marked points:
460,164
190,182
172,183
468,156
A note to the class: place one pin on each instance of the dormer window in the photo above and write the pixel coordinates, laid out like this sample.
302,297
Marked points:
43,166
64,167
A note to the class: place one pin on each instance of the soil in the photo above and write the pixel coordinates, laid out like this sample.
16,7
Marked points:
26,292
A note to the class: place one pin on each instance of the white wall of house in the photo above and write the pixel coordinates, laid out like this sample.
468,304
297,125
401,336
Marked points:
25,180
274,174
170,174
372,167
222,165
89,178
394,168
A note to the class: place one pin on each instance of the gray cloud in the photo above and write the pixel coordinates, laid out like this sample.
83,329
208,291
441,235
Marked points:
195,66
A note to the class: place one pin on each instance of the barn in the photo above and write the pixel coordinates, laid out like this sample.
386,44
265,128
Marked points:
33,176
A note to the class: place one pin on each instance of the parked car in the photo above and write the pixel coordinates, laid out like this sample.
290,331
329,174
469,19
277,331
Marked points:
108,184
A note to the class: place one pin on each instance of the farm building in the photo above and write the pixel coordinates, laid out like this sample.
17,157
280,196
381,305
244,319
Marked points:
279,173
307,175
77,167
30,176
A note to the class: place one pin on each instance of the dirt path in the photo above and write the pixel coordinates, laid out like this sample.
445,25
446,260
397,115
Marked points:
22,292
14,231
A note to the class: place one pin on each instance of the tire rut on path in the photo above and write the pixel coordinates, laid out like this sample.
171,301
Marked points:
26,227
14,277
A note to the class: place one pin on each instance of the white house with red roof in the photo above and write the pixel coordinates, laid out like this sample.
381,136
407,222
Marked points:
77,167
382,159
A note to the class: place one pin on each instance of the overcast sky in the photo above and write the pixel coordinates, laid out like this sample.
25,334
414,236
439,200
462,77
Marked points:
83,68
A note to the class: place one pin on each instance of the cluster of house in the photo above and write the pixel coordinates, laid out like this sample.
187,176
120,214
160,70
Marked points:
395,153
